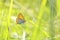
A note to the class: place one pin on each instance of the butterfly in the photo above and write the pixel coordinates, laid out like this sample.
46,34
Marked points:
20,19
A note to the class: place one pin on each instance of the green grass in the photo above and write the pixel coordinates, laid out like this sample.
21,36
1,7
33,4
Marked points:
40,16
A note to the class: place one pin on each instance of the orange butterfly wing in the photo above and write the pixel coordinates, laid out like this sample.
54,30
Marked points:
20,16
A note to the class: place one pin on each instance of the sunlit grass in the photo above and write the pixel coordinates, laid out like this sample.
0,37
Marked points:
38,17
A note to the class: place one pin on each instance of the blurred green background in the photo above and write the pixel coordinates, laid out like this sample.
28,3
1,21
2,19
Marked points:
42,20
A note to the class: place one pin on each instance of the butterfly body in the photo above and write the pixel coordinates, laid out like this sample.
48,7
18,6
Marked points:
20,19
